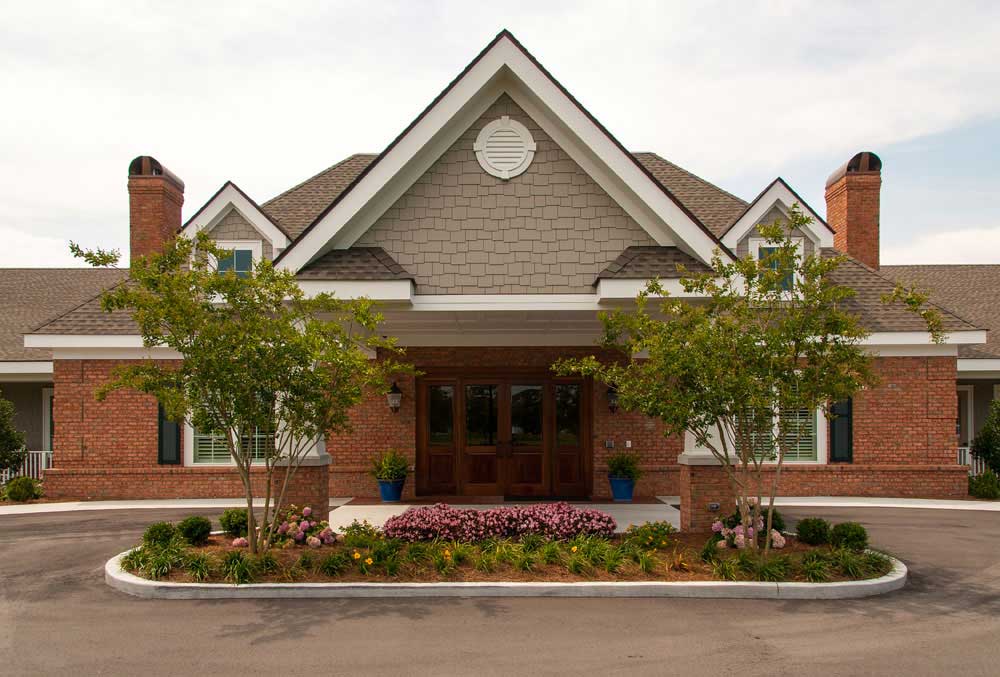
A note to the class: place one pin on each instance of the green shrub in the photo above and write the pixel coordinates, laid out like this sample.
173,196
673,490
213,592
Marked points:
12,442
726,568
624,464
237,567
710,551
772,569
198,565
614,558
551,553
815,568
195,530
361,534
850,563
390,466
986,444
234,521
159,533
335,564
22,489
655,535
813,530
849,535
267,563
985,485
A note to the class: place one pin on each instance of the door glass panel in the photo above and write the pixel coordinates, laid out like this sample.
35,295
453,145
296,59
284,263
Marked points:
441,424
481,415
567,414
526,415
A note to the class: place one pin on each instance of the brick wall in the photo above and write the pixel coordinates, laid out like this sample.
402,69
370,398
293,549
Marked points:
852,210
154,212
459,230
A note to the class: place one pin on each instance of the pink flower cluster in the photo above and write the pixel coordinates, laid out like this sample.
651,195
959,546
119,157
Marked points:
737,536
240,542
552,520
299,528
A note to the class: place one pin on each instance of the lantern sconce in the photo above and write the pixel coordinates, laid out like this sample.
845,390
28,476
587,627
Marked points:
612,399
395,397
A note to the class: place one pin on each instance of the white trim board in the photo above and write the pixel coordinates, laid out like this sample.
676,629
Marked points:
502,68
25,371
230,197
779,195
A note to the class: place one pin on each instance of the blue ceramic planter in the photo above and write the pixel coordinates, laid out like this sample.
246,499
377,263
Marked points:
621,488
391,490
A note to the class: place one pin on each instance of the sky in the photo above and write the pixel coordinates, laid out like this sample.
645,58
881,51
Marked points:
268,94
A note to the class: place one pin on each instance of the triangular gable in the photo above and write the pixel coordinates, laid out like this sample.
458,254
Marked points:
778,194
503,67
230,197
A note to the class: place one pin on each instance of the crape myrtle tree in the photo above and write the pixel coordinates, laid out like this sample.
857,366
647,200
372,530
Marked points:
761,345
259,360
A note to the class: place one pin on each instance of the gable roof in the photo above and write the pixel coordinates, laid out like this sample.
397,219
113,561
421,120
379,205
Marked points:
970,290
503,62
356,263
29,297
777,192
645,263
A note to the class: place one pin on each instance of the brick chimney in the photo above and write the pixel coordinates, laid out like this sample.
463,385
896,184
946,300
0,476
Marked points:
155,198
852,207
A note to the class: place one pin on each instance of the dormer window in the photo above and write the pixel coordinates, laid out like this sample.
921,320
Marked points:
761,249
243,256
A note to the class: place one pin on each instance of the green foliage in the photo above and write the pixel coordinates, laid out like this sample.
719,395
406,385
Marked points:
849,562
22,489
710,551
234,521
986,485
195,529
135,559
777,519
813,530
361,534
12,453
754,345
390,466
257,354
726,569
532,542
159,558
646,562
306,561
849,535
525,561
773,568
815,567
986,444
266,563
614,559
577,565
624,464
198,565
159,533
551,553
334,564
485,562
238,568
653,535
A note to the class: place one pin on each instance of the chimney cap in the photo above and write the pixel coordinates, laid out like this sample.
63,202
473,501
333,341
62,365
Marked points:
146,165
864,162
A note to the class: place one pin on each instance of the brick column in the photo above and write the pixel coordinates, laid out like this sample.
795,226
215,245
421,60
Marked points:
310,486
704,491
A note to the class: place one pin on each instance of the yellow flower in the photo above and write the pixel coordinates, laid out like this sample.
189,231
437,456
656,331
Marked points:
368,561
357,555
663,542
573,549
447,552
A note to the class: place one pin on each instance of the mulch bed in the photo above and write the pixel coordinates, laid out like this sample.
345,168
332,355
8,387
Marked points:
687,545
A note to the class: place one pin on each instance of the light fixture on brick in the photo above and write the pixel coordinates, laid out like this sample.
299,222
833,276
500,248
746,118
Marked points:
395,397
504,148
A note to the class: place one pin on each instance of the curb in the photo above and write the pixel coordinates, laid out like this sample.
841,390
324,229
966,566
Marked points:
123,581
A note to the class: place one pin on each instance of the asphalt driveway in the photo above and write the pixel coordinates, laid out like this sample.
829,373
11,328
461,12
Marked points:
58,617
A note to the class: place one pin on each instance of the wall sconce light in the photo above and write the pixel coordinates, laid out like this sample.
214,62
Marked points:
395,397
612,399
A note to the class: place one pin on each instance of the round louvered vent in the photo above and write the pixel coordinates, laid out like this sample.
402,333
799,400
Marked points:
504,148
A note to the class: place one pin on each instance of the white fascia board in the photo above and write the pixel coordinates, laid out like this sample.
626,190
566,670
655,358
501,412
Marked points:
463,103
377,290
978,365
780,195
915,338
83,341
116,354
617,289
25,369
504,302
230,197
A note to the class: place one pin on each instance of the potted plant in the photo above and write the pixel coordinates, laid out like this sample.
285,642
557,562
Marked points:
390,469
623,472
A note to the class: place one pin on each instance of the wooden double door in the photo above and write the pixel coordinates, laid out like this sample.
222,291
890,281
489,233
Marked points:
524,434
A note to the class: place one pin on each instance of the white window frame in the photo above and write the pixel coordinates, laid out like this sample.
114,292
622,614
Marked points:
189,460
970,421
47,419
821,425
256,248
755,243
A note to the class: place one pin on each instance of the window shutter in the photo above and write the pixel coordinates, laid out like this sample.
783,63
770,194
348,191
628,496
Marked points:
169,439
841,432
800,442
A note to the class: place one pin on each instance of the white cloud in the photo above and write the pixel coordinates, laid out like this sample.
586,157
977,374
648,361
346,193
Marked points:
27,250
968,245
266,94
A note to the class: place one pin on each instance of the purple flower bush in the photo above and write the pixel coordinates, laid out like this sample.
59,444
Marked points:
298,527
737,537
552,520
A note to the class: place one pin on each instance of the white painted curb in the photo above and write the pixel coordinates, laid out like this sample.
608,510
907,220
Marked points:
121,580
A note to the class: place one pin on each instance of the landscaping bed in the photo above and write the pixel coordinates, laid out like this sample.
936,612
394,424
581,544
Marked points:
547,544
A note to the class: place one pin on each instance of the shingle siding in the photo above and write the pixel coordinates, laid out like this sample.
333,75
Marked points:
775,214
459,230
234,227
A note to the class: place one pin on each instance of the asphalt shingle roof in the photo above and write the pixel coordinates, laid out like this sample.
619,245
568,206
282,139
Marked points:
644,263
356,263
972,291
30,297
